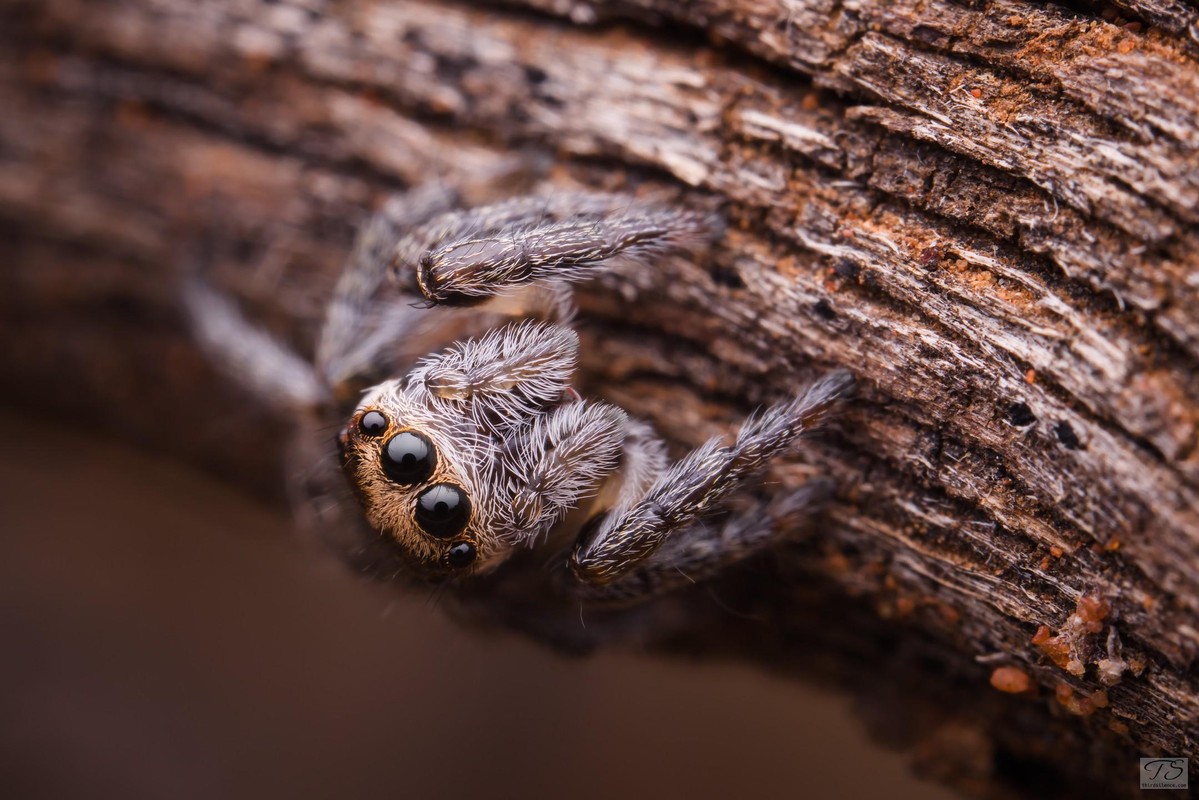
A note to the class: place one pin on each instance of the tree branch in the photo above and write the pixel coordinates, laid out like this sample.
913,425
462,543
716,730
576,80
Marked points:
988,215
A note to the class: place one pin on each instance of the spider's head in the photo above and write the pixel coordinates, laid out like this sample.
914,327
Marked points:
480,450
416,471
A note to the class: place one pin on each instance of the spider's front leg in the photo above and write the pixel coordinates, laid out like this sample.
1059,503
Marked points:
701,551
694,486
467,258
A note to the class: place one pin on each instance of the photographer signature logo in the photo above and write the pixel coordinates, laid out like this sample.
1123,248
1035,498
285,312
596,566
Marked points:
1164,773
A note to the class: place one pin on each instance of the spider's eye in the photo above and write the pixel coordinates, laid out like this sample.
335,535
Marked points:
372,424
443,510
408,457
461,555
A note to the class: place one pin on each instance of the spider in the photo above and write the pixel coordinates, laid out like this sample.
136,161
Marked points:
479,466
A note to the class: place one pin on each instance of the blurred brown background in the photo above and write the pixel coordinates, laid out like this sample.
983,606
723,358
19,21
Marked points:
165,638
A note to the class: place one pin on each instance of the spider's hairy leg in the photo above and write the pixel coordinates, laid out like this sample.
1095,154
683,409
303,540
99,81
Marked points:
570,241
506,374
705,549
367,317
452,225
249,355
463,224
695,485
564,457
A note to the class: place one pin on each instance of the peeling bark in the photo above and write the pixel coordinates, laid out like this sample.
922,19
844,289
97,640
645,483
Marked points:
990,213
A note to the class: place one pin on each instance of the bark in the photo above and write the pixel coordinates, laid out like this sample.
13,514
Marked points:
989,212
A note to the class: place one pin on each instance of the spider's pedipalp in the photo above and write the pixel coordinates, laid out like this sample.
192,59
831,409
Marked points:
561,459
507,375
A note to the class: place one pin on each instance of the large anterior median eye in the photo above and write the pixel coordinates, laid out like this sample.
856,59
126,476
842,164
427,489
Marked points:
442,510
408,458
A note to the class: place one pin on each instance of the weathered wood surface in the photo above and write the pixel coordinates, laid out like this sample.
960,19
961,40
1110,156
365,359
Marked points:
989,212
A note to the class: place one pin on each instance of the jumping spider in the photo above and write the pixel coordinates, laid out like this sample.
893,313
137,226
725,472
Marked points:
480,466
